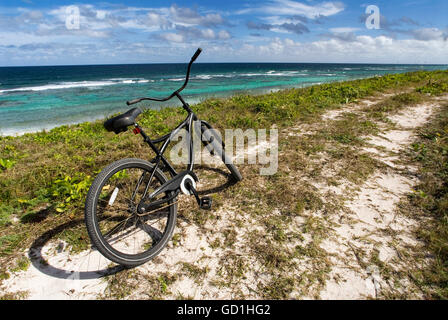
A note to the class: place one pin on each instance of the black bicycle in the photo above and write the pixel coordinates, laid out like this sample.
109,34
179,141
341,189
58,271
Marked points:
131,207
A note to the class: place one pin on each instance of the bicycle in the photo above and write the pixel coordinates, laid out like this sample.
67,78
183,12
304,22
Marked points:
131,206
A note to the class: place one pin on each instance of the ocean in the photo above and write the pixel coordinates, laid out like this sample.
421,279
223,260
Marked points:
36,98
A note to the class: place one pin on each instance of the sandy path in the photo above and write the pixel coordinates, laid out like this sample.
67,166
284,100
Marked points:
374,218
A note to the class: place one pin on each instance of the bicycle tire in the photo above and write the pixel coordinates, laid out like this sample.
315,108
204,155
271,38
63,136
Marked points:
92,221
218,146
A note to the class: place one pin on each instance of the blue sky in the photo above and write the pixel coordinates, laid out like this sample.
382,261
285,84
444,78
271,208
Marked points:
35,32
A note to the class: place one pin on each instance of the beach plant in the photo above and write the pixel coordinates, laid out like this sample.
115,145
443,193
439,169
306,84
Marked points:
6,164
5,214
69,191
434,88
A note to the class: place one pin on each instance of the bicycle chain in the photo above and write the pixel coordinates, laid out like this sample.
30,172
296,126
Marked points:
150,212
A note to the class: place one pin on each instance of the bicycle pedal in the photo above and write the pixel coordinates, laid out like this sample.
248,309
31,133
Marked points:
206,203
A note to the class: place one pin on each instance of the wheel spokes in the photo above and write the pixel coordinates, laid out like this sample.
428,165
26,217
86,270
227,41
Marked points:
121,226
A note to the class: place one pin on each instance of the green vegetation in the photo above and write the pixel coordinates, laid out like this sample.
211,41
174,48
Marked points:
430,201
6,164
22,264
434,88
21,295
69,190
193,271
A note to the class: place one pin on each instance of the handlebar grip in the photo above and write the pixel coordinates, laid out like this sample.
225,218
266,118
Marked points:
196,55
133,102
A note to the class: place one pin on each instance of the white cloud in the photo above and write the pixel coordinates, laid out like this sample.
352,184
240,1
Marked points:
158,20
208,34
224,35
365,49
343,29
101,14
189,17
287,16
8,38
291,8
176,27
428,34
173,37
191,34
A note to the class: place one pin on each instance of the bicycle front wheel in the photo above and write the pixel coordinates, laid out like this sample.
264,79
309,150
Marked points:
114,225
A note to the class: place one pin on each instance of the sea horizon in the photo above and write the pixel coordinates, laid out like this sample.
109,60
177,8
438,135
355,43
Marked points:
35,98
198,63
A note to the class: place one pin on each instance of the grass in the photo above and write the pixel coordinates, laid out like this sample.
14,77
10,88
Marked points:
193,271
21,295
22,264
122,285
44,178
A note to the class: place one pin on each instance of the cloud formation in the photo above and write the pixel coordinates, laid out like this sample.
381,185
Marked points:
360,49
272,30
294,8
297,28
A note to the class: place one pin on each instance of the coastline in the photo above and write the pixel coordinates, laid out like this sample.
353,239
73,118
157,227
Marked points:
9,132
81,94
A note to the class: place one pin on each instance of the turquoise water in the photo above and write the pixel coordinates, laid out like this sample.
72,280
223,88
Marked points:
35,98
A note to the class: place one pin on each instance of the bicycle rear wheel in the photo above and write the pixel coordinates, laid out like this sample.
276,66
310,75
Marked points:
214,144
114,225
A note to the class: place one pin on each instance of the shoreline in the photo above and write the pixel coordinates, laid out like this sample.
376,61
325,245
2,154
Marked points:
43,110
192,101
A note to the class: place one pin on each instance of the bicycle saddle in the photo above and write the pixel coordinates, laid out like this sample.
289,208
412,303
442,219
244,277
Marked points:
122,122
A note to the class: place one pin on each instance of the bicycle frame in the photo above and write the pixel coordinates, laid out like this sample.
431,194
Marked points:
173,185
187,124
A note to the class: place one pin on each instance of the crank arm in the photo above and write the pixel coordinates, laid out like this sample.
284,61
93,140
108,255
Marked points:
173,184
146,207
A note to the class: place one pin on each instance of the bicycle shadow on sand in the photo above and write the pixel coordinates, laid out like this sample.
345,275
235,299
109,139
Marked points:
89,264
71,268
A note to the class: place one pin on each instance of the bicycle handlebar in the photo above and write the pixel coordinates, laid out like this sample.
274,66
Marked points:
196,55
193,59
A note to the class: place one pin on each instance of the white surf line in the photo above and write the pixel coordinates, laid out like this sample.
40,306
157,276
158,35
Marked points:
353,276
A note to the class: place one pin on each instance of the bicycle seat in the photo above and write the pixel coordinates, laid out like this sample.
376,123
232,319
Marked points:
122,122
